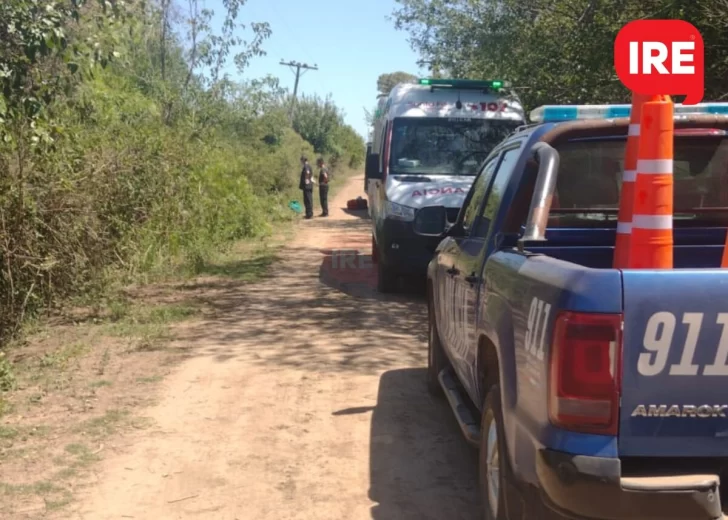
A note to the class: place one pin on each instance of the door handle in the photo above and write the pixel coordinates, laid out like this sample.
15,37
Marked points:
452,271
472,279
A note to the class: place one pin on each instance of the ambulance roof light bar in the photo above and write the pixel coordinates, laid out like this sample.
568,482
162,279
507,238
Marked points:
469,84
560,113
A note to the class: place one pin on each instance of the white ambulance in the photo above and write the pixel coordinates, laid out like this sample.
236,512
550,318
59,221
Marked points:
428,143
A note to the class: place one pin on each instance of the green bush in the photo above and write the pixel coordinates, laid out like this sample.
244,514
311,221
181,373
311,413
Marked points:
133,161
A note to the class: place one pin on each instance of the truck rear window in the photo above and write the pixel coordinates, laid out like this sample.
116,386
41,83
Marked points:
589,181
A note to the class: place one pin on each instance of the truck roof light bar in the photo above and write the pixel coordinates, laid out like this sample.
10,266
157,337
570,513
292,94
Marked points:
465,84
560,113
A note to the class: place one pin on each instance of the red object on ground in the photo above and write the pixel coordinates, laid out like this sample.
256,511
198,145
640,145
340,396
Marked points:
357,203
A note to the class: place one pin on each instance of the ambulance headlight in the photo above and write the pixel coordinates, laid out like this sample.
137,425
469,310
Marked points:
399,212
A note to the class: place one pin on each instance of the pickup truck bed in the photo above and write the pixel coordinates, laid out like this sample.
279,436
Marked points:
695,248
606,389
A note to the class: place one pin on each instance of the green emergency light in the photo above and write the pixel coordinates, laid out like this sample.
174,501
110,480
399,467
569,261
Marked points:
470,84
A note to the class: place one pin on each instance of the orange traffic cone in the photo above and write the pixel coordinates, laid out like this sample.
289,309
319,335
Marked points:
652,243
626,197
724,261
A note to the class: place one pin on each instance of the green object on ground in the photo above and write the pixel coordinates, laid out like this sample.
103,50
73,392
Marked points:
295,206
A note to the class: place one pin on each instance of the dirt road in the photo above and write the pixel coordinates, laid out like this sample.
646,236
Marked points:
302,397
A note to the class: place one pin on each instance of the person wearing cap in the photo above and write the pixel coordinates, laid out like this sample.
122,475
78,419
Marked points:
306,186
323,182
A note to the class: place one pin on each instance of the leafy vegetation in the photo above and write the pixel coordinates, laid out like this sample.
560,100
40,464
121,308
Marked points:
321,123
556,51
125,147
385,83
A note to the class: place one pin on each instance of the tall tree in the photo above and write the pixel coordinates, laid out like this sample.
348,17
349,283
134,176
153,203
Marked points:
315,120
386,82
553,51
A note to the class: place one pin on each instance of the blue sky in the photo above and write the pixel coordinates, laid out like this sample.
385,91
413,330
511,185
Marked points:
351,41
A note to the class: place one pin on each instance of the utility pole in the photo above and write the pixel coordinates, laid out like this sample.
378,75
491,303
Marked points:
297,67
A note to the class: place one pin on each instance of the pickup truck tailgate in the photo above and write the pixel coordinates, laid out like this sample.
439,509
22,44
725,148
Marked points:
675,364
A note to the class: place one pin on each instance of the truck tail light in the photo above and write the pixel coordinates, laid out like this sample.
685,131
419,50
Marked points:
585,372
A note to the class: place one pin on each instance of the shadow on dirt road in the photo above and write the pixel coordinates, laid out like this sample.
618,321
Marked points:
299,397
361,213
353,272
315,293
348,265
420,466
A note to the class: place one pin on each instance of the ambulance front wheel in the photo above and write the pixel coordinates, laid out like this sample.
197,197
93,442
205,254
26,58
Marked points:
386,278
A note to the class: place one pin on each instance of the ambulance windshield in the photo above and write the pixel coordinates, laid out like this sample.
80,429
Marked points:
445,146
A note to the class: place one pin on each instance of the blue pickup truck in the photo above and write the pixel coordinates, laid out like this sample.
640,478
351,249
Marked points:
591,392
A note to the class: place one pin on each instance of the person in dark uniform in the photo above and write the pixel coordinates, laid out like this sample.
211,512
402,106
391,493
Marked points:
306,186
323,181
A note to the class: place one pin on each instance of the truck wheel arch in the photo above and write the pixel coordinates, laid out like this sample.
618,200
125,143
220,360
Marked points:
488,365
489,373
497,339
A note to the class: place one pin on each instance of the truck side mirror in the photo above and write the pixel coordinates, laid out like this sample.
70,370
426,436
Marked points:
543,193
431,221
371,168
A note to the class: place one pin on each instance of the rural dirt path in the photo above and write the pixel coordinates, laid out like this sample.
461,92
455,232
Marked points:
302,397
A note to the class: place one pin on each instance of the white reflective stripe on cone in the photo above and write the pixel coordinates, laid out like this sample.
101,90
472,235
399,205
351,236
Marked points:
652,222
629,176
654,166
624,228
634,129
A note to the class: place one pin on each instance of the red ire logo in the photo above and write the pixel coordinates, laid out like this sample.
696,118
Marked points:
661,57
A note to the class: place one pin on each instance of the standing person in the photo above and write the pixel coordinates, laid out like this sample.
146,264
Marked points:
306,186
323,181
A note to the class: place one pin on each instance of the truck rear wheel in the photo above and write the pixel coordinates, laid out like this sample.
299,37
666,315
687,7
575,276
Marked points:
436,359
493,457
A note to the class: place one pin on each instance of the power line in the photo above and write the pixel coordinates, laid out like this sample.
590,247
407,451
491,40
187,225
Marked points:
297,67
297,42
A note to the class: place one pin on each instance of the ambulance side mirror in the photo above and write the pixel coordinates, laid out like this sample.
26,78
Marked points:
371,168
